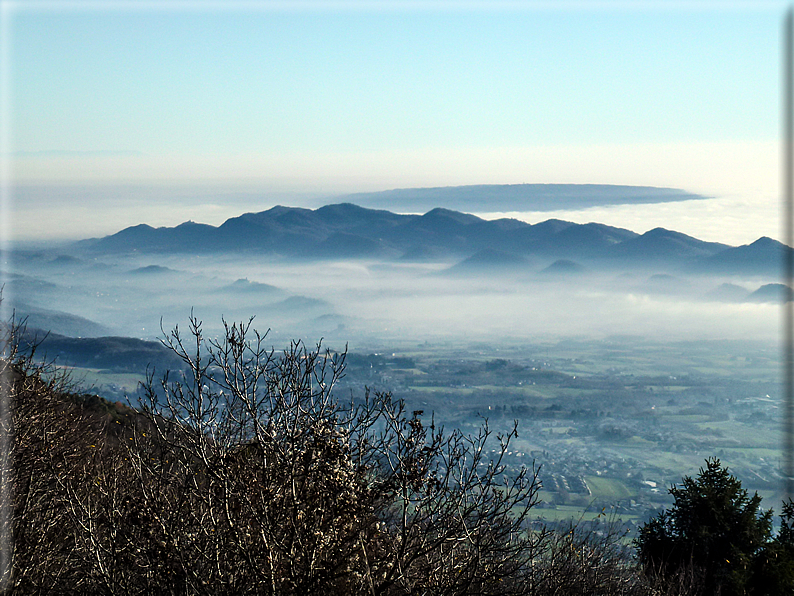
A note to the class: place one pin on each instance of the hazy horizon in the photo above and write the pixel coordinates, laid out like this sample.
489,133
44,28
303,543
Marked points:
123,114
119,114
729,220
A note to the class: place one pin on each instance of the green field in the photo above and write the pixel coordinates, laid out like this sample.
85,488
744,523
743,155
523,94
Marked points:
608,488
575,514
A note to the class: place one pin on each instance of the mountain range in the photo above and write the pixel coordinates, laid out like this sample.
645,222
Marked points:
344,231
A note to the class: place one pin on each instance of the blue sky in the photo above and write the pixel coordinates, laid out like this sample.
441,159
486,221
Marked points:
268,99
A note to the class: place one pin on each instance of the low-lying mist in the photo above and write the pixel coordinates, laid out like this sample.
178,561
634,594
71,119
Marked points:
376,301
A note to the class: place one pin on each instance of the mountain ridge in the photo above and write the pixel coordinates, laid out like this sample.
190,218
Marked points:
345,230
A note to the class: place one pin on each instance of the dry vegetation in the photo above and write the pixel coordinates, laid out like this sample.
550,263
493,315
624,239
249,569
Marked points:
243,474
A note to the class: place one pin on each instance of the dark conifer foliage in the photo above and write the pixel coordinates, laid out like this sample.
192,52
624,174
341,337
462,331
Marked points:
717,539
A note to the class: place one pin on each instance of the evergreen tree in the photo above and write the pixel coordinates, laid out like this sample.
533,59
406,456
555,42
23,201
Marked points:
713,530
774,568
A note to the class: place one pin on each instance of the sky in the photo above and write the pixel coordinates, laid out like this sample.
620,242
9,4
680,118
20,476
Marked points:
117,113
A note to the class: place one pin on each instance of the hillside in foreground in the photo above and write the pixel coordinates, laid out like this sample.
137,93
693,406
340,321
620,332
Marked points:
303,496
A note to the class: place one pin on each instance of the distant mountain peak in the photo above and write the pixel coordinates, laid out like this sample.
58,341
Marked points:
349,231
489,260
564,267
766,241
343,209
442,213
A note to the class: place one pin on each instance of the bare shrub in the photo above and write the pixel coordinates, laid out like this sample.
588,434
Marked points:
51,438
242,473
